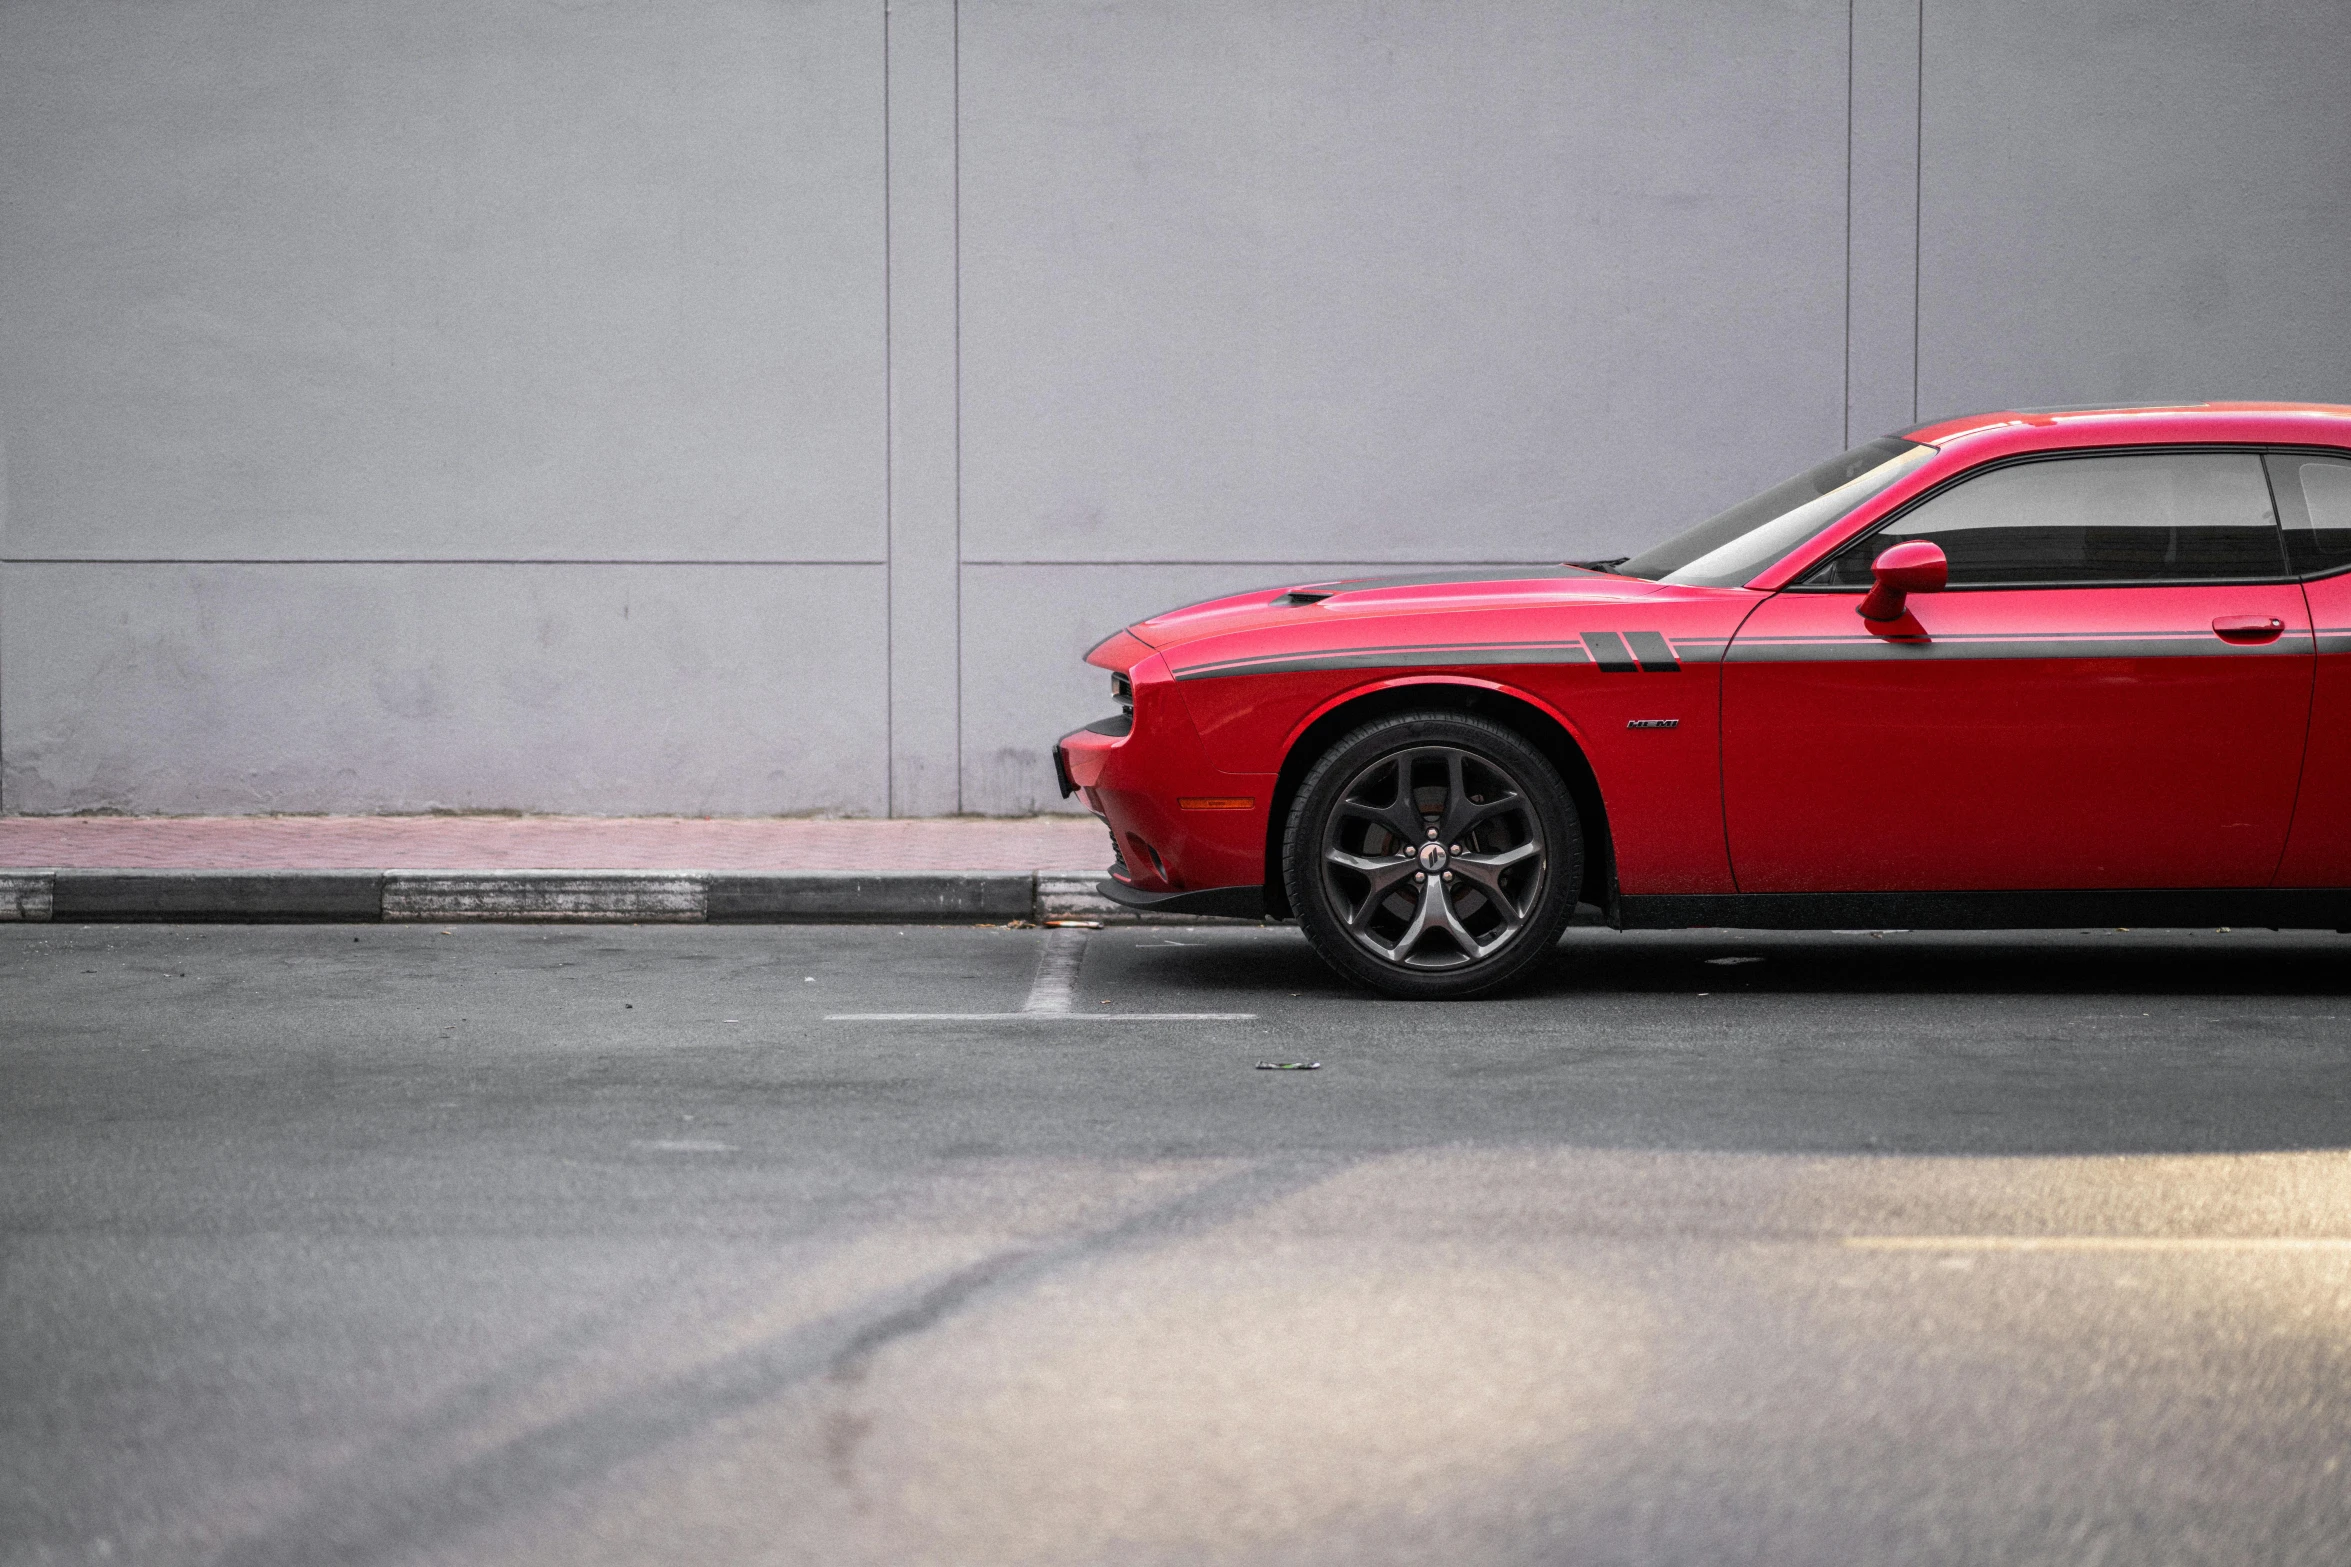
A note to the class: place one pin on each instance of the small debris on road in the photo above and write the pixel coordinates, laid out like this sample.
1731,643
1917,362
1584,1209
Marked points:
1289,1066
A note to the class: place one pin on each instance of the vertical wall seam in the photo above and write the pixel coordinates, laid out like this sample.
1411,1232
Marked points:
889,473
1847,421
955,241
1918,209
924,490
4,575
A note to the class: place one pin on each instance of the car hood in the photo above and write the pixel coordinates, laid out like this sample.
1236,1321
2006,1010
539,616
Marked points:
1353,598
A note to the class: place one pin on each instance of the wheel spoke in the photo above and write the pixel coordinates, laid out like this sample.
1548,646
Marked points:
1432,896
1447,918
1359,920
1486,871
1435,913
1403,821
1382,872
1398,815
1463,815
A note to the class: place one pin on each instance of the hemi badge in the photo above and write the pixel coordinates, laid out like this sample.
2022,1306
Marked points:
1240,802
1653,723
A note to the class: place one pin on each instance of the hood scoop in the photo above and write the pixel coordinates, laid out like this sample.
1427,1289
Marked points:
1473,577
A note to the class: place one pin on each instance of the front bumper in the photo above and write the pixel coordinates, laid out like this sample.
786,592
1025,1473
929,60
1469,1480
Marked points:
1177,824
1114,728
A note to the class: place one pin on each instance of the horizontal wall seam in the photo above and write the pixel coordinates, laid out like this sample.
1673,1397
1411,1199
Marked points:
485,560
1304,564
403,560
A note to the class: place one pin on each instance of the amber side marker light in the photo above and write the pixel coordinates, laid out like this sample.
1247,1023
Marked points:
1217,802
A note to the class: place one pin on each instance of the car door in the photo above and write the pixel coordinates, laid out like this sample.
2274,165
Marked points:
2112,693
2313,490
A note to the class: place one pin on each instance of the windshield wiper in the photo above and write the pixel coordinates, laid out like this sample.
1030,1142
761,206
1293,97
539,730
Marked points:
1609,565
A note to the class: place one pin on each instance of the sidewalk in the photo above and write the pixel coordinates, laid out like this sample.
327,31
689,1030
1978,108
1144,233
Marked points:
955,869
648,843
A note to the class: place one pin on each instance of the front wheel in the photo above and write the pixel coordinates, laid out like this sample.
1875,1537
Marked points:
1433,855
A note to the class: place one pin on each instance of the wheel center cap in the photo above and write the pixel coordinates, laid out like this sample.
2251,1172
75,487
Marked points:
1432,857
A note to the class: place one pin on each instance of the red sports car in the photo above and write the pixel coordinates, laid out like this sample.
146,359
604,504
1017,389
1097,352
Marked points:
2033,668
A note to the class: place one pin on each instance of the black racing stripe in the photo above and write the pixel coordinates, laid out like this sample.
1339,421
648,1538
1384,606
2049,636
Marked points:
2334,639
1799,650
1235,666
1609,652
1480,654
1700,650
1650,649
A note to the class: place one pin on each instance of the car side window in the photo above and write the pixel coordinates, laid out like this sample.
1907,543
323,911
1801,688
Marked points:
2083,521
2314,504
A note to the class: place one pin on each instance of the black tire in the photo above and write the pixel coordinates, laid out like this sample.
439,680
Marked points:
1422,914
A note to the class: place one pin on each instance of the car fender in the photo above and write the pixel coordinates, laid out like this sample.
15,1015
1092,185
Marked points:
1398,682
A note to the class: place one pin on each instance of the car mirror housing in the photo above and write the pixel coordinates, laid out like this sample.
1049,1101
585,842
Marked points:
1915,567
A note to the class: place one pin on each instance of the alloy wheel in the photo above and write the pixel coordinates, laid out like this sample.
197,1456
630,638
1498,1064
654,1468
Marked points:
1434,858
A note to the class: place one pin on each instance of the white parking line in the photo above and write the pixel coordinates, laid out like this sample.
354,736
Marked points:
1057,971
2098,1242
1040,1017
1050,996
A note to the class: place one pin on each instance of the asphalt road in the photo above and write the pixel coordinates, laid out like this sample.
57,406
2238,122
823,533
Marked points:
576,1245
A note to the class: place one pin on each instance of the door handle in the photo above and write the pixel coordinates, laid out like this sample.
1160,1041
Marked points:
2248,629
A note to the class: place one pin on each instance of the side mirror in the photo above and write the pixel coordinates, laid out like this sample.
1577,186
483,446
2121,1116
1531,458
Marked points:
1916,567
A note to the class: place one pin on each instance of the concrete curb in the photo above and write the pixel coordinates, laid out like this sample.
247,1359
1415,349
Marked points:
693,897
216,895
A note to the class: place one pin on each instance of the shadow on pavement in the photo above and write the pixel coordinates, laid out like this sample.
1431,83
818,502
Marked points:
1973,1043
2034,963
2181,963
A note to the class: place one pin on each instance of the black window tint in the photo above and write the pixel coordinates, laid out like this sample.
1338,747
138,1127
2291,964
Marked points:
2139,517
2314,503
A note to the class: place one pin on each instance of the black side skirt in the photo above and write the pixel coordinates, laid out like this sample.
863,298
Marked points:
2292,908
1240,903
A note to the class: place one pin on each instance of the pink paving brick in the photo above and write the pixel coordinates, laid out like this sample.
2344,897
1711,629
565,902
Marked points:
550,843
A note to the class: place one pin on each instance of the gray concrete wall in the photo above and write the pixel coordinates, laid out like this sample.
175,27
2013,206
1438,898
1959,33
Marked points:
756,407
2124,201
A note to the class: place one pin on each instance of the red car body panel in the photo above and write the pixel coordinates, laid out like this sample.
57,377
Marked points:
1596,653
2114,741
1763,740
1147,785
2318,851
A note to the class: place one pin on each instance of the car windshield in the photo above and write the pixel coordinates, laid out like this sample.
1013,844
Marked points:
1727,550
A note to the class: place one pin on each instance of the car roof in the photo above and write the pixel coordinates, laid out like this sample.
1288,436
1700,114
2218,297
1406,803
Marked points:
2130,424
